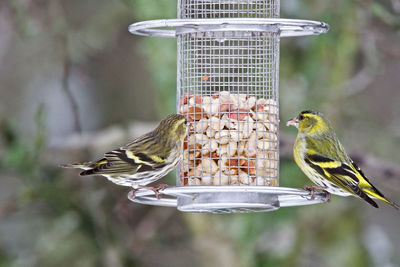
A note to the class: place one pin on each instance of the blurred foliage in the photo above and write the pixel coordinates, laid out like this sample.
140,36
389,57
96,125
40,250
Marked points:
160,53
50,217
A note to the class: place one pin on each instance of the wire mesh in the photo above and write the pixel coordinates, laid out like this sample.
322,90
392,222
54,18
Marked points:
227,75
206,9
228,90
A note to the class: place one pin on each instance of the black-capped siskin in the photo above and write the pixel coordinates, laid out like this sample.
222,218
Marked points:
319,154
144,160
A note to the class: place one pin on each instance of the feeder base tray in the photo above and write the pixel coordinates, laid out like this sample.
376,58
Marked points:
229,199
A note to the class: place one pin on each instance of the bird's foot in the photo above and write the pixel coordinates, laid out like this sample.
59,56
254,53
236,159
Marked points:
314,187
312,190
155,189
161,186
132,193
329,196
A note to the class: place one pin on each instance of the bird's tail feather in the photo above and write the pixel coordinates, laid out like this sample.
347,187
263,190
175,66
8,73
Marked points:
87,172
87,167
364,196
75,165
371,192
394,205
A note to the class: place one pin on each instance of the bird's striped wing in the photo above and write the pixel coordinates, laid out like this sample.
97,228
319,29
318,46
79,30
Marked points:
146,149
370,189
123,161
347,177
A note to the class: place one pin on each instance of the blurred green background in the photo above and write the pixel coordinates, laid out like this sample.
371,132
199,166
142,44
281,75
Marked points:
74,84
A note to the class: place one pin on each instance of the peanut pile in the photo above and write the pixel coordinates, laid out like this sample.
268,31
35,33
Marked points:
232,140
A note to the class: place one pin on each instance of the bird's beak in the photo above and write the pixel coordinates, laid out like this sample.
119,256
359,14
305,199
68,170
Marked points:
293,122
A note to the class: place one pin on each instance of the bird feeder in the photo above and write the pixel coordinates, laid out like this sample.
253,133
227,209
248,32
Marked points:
227,87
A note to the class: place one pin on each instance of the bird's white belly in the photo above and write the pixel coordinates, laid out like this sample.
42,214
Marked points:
315,177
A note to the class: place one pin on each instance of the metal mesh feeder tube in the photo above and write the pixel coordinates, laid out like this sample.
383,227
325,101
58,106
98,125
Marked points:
227,88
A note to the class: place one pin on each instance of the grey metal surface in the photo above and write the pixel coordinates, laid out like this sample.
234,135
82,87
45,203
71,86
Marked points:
229,199
285,27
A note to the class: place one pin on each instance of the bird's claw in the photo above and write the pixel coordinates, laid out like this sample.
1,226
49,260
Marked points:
316,187
155,189
131,194
161,186
329,196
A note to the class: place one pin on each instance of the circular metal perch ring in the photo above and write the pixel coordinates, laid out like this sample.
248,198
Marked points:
229,199
285,27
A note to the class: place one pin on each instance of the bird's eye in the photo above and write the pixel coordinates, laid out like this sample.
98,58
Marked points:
185,121
301,117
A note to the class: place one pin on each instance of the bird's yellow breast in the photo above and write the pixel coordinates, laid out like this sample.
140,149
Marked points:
299,151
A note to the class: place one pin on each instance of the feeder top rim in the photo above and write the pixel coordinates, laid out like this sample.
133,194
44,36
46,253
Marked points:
284,27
